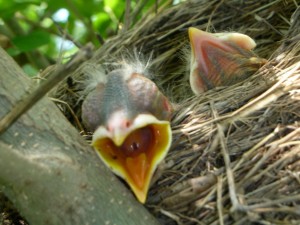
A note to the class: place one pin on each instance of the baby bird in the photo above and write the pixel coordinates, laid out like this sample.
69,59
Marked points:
130,118
220,59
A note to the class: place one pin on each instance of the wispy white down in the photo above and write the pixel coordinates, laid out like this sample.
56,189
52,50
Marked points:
128,63
135,62
94,75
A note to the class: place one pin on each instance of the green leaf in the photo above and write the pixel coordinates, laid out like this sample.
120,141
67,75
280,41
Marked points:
54,5
29,70
102,23
88,8
13,51
8,8
117,7
31,41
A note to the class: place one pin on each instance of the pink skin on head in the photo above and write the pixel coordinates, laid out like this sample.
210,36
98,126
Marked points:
118,120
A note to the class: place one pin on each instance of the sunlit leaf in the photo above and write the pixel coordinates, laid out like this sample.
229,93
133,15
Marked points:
102,23
117,8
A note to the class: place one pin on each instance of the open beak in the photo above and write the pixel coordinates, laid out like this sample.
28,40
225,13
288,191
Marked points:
220,59
134,152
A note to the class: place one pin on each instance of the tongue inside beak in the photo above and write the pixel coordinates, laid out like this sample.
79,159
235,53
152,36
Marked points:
137,169
220,59
136,159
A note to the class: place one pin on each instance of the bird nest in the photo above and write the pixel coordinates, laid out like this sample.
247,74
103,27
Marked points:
236,149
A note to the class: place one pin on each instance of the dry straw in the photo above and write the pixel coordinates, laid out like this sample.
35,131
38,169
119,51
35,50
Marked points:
235,157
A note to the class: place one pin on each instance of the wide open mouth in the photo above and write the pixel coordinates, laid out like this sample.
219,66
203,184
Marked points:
137,157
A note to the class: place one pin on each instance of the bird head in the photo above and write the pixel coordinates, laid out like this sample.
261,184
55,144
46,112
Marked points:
132,133
220,59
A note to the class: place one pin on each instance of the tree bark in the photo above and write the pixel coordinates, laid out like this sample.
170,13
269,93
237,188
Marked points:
49,172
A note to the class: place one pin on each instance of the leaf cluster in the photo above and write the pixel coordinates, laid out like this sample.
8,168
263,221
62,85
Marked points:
36,32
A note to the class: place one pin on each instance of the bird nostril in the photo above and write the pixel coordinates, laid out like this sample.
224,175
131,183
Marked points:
127,123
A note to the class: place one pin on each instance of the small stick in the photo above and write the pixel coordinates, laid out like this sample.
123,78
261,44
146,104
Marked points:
219,200
229,173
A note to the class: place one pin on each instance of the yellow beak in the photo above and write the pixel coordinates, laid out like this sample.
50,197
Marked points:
134,153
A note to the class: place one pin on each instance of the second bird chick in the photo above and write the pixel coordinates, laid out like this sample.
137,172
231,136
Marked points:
220,59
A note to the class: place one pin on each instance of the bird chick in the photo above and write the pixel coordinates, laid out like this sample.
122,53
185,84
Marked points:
220,59
130,118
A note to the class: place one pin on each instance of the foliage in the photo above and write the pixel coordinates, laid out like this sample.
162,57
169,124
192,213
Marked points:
36,32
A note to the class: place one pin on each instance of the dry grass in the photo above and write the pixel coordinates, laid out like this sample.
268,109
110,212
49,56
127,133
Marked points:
236,150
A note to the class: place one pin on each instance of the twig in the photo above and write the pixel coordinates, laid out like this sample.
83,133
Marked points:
212,14
231,184
72,113
275,202
138,9
127,18
292,153
219,200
